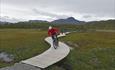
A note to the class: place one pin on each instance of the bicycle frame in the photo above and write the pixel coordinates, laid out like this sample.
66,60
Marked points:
55,41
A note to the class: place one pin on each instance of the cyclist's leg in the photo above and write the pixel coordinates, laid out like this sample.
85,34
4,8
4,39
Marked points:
53,38
57,40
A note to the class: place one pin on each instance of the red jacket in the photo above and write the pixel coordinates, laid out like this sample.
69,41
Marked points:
53,31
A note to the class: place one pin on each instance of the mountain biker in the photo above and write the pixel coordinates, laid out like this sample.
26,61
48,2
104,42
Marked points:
53,32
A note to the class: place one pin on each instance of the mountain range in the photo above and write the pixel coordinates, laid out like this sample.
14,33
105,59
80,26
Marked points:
4,22
69,20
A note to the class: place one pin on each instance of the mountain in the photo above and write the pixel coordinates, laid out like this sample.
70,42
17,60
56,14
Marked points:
70,20
37,21
1,22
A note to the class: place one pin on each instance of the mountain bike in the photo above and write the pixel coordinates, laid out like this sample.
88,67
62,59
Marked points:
55,41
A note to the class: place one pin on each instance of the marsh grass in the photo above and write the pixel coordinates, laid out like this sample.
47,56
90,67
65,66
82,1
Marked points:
22,43
96,51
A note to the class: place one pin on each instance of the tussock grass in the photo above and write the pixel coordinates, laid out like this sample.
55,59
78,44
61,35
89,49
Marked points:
96,51
22,43
92,50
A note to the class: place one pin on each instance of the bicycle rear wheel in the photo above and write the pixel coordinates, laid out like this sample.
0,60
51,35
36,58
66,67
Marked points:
55,42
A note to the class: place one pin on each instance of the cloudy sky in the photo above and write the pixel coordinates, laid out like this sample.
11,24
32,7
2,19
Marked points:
86,10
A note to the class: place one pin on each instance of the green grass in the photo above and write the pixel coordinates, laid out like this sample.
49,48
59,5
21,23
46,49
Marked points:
92,51
22,43
95,51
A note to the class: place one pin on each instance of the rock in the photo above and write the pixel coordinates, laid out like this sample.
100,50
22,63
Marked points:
5,57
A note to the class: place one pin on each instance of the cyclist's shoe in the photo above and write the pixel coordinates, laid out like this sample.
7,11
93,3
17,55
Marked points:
55,47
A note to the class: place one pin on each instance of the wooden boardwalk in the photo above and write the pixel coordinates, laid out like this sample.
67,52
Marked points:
50,56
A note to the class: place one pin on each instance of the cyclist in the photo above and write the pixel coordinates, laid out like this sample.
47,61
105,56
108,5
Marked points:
53,32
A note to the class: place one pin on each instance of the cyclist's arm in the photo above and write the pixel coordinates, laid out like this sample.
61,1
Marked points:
57,31
49,33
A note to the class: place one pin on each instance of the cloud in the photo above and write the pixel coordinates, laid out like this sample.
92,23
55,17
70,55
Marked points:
49,14
9,19
87,16
52,9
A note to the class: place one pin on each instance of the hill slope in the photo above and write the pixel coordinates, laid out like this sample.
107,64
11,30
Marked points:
69,20
108,24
